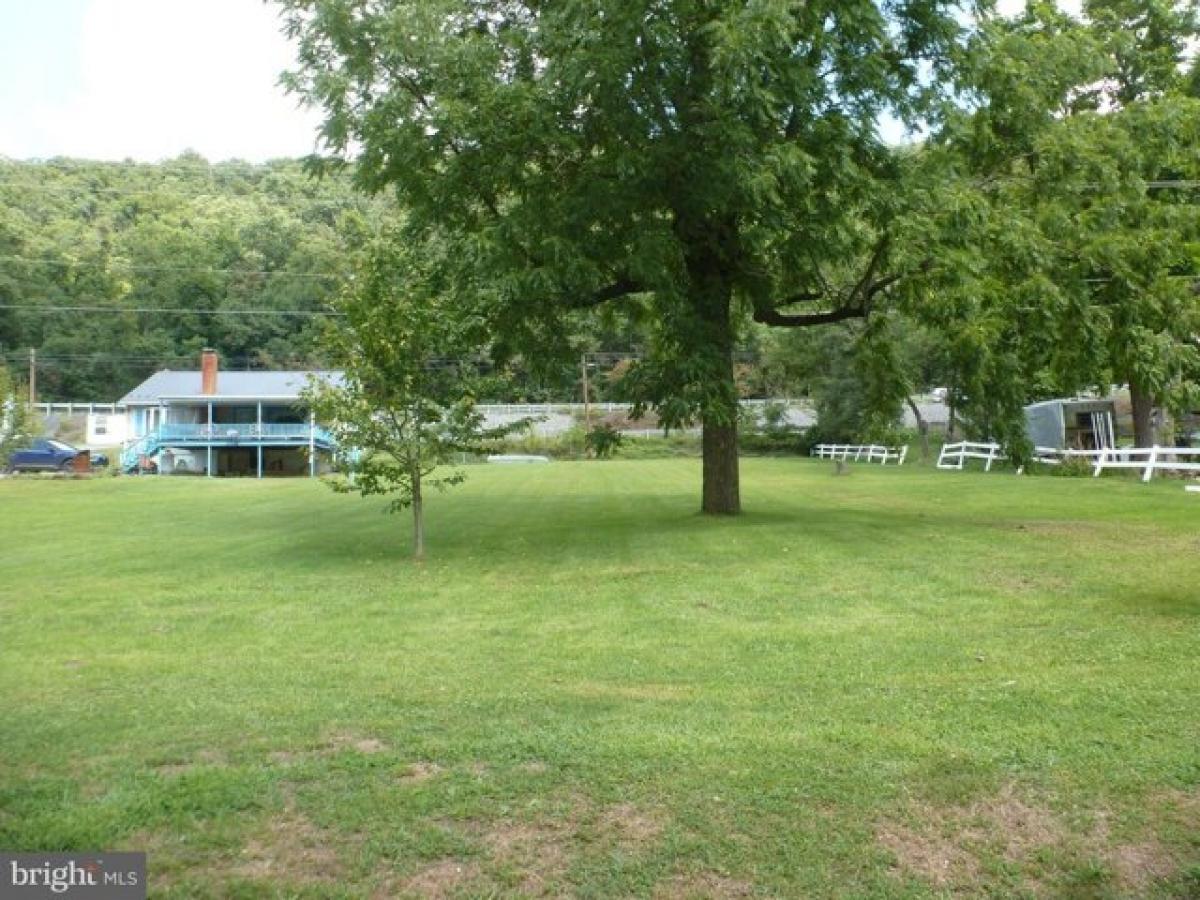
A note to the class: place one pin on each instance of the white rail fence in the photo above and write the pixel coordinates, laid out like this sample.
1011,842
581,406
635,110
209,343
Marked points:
1147,460
955,456
861,453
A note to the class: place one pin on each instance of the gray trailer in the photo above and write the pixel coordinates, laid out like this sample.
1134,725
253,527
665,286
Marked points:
1076,424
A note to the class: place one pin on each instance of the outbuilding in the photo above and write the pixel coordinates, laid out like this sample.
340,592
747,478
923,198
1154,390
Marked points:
1074,424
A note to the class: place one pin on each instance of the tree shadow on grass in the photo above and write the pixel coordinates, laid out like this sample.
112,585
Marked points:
1169,603
586,529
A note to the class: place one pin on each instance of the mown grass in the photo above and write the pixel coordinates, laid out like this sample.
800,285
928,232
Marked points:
900,683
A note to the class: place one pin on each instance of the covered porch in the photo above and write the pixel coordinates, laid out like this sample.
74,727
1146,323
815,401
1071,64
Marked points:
230,438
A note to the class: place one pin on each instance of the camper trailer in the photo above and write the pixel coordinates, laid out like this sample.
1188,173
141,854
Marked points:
1076,424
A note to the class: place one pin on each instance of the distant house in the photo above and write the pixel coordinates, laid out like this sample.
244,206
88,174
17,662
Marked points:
212,423
106,428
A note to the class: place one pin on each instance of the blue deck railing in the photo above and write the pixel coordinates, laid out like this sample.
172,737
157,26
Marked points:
240,432
222,434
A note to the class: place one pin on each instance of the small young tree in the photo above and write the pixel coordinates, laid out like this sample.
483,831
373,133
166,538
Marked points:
403,408
17,420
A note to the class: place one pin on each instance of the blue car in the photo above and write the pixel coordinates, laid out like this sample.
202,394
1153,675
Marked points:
45,455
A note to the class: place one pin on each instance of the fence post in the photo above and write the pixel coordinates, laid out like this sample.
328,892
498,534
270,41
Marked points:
1149,473
1101,459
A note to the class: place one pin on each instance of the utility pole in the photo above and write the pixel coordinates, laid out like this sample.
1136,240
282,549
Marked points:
32,376
587,407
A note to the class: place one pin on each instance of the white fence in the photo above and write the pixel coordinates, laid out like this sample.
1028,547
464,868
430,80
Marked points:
955,456
1147,460
79,408
861,453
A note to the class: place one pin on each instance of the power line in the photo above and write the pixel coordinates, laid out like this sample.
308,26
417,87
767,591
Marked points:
270,273
235,363
163,310
71,164
157,190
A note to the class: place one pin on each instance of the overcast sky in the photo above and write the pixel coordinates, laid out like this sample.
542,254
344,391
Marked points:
148,79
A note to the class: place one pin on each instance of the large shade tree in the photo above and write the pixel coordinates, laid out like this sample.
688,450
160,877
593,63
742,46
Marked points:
1085,155
1135,214
712,160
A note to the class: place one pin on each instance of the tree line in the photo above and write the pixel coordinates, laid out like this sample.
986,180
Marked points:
113,270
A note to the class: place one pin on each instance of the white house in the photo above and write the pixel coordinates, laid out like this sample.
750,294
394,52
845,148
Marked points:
224,423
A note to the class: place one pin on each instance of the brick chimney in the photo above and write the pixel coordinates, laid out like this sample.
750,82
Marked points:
208,371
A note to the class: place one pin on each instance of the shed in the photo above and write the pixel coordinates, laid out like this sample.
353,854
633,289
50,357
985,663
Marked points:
1074,424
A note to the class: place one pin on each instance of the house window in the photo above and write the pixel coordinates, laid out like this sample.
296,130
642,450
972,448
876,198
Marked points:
101,426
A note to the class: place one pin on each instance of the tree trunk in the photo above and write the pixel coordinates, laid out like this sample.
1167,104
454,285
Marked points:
1144,433
721,495
722,488
922,427
418,518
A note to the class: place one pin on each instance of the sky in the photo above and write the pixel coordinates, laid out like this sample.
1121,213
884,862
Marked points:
148,79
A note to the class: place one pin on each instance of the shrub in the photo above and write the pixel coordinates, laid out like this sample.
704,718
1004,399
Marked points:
603,441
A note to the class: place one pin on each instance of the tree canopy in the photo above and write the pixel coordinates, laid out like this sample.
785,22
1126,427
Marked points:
1084,185
713,161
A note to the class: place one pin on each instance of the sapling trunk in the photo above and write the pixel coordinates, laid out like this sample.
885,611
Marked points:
418,516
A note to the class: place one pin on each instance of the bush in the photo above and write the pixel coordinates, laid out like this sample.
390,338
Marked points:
1072,467
676,444
768,444
570,444
603,441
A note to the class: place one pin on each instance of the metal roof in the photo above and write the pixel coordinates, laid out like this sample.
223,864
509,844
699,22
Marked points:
168,385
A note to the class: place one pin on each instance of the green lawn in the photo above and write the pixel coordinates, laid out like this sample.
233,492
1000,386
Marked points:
900,683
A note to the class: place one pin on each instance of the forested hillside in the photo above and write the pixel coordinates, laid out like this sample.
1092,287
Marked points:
113,270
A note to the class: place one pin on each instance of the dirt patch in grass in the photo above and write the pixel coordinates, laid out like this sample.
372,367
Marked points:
367,745
532,856
420,771
1137,866
1183,806
630,827
444,878
291,850
929,855
702,885
953,847
536,854
1019,827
